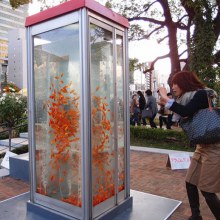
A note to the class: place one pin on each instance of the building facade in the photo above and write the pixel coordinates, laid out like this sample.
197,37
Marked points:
10,19
17,58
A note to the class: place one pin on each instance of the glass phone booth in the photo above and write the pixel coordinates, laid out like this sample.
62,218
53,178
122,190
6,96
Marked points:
78,112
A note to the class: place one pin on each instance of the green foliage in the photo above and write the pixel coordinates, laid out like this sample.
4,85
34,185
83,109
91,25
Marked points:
108,5
159,136
135,32
210,77
13,107
133,65
202,43
3,135
17,3
19,150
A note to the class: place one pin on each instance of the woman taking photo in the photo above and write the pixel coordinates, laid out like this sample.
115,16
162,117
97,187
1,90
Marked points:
204,172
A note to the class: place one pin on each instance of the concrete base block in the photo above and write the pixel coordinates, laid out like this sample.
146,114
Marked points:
19,167
144,206
36,211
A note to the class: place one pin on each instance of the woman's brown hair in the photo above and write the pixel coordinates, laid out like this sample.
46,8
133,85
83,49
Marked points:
187,81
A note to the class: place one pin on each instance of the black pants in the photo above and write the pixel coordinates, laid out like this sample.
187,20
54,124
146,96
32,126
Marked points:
151,121
134,119
166,119
211,199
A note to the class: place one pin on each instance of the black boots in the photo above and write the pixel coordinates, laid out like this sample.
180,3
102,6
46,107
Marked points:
213,203
195,218
193,197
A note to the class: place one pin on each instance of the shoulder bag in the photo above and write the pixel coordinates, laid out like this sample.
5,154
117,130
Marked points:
203,127
146,113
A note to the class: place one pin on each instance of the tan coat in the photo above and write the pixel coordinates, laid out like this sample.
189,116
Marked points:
204,170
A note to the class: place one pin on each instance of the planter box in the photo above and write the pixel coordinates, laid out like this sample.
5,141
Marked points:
19,167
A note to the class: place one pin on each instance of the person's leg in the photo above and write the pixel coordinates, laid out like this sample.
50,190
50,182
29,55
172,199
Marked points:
213,202
193,197
161,121
164,118
169,121
144,121
132,121
151,120
136,118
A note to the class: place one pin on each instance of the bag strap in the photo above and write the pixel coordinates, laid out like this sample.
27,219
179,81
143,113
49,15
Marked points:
210,103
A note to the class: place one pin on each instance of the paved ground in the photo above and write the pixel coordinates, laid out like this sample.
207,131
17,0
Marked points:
10,187
148,174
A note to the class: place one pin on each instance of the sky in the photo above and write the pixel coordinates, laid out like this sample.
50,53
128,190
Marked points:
34,7
147,51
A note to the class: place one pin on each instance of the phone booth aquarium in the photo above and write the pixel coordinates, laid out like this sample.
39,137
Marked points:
78,112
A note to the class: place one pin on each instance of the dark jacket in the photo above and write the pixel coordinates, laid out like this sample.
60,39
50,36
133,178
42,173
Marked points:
142,102
199,101
204,167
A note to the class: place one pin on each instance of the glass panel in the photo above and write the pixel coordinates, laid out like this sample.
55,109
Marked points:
102,114
57,114
120,116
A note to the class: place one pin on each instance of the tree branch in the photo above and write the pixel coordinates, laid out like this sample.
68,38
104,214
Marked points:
181,25
147,19
162,39
183,60
154,61
146,36
190,11
147,8
183,53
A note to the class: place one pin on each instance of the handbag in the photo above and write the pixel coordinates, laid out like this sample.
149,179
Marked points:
203,127
146,113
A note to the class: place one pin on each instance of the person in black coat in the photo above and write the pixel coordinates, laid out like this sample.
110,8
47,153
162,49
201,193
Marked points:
142,104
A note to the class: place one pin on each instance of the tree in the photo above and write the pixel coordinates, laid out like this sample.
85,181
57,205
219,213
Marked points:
194,24
13,107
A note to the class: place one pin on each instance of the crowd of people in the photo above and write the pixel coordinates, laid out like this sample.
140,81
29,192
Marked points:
139,102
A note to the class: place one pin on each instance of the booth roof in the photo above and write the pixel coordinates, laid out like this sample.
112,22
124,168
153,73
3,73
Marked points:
74,5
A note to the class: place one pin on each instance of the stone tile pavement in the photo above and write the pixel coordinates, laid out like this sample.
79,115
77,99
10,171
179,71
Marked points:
10,187
148,174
